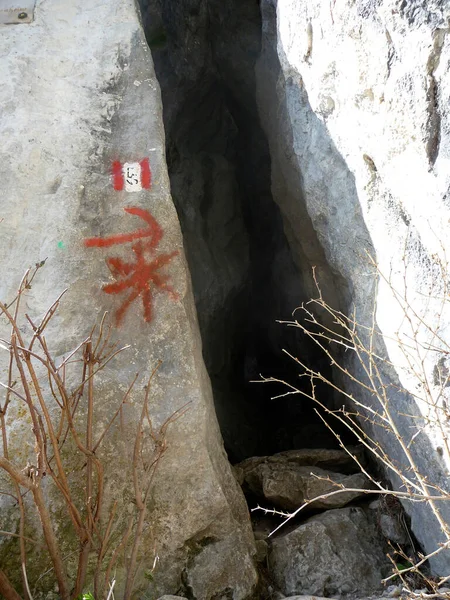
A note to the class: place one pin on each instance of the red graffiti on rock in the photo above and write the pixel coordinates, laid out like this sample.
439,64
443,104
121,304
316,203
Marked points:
143,275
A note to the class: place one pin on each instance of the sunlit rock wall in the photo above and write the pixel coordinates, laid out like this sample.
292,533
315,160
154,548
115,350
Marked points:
85,188
354,97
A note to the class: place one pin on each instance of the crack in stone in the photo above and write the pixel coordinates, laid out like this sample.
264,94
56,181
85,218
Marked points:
434,117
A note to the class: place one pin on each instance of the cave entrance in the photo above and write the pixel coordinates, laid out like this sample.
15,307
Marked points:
244,277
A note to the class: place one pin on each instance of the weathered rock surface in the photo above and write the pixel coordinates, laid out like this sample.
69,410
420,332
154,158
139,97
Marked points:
286,480
321,598
390,516
353,98
288,487
338,461
336,553
77,95
304,598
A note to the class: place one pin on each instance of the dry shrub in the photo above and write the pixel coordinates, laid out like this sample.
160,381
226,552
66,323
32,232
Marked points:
368,387
57,397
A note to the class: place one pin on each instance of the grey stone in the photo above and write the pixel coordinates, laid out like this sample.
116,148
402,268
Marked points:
304,598
262,549
262,525
275,594
285,481
393,530
168,597
218,572
350,168
320,598
336,553
289,488
80,96
346,185
325,458
391,519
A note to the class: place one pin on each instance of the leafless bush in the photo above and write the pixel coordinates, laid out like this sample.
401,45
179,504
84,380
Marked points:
58,399
418,343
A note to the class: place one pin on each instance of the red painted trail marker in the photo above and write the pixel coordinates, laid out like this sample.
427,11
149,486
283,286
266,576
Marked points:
141,276
132,176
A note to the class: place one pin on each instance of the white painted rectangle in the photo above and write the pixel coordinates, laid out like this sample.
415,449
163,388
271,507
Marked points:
132,177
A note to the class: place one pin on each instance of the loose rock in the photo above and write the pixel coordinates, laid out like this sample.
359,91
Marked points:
391,519
286,480
325,458
261,550
336,553
305,598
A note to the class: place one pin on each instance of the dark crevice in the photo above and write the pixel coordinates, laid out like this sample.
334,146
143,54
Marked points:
244,276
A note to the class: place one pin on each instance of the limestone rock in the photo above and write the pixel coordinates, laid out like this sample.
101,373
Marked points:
336,553
286,480
83,98
262,526
390,516
321,598
219,569
289,488
325,458
392,530
304,598
261,550
354,103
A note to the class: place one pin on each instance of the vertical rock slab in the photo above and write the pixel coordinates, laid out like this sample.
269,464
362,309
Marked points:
85,187
354,99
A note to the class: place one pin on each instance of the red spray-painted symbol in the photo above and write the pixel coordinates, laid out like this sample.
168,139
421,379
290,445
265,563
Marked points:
141,275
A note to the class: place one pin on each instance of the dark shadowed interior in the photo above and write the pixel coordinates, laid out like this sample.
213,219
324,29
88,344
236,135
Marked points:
243,274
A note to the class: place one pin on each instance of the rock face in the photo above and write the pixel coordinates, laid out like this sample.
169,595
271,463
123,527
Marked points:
345,124
354,100
286,480
79,99
333,554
